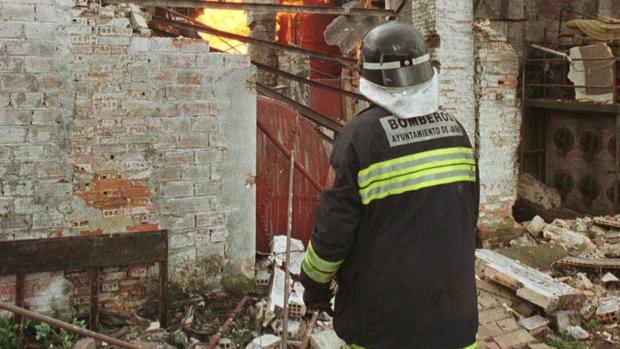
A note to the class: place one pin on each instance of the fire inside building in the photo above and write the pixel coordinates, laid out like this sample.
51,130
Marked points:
161,163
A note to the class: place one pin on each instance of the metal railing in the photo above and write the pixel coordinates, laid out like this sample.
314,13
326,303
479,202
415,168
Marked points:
546,62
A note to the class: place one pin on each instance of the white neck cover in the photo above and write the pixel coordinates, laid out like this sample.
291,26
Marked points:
404,102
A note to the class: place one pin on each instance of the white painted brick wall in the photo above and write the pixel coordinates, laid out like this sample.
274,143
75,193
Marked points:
80,100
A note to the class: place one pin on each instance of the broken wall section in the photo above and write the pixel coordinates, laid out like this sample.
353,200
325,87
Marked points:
108,132
498,119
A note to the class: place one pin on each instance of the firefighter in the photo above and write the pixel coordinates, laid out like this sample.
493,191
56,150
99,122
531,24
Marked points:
396,228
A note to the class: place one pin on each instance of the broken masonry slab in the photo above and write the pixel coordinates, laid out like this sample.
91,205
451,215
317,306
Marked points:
327,339
267,341
529,283
534,324
297,253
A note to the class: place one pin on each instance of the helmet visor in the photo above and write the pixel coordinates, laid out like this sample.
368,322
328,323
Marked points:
398,77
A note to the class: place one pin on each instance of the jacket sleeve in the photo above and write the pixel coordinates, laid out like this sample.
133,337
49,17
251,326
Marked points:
338,217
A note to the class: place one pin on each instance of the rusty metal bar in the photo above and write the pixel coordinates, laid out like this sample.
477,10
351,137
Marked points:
196,26
571,86
306,340
216,337
287,153
19,294
570,9
289,229
261,7
66,326
94,299
302,109
563,60
308,81
163,289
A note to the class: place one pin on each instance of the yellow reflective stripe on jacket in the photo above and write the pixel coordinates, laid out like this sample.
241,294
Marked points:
418,180
353,346
404,164
317,268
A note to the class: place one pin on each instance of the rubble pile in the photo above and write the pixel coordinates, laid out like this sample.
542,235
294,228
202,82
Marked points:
201,322
574,295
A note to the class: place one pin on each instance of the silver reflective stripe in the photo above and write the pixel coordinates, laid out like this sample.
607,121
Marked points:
396,64
405,185
415,162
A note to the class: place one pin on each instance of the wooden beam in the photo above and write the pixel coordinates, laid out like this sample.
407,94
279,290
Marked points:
81,252
260,7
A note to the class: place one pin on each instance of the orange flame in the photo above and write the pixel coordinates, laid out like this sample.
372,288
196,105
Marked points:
232,21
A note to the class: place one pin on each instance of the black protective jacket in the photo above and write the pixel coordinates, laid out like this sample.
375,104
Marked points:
397,231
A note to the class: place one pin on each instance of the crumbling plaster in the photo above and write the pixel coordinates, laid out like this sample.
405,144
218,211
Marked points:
104,131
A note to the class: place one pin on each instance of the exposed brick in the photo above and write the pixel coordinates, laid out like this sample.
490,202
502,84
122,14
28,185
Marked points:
492,315
100,135
10,134
178,189
17,12
11,30
514,340
5,205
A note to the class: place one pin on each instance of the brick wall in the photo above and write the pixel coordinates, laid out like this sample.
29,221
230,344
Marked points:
447,25
498,122
479,78
103,131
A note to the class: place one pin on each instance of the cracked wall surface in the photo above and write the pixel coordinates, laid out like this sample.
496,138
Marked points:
103,131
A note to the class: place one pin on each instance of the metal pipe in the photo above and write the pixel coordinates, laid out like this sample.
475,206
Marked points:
260,7
289,229
308,81
285,151
304,342
573,59
302,109
571,86
252,40
570,9
66,326
216,337
553,52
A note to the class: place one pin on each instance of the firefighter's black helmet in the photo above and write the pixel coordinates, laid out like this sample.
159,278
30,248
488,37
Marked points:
394,55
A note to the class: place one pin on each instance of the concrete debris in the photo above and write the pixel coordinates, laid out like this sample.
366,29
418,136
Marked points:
262,279
566,318
525,240
278,249
294,329
346,31
610,279
153,326
267,341
566,237
534,324
85,343
609,311
138,20
536,226
327,339
226,343
532,190
529,283
577,332
607,222
583,281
